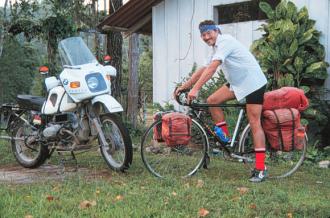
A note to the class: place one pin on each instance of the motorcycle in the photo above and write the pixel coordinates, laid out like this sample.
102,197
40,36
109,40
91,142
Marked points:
78,113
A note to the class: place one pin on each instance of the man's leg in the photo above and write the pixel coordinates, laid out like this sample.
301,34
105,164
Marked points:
221,95
254,109
254,114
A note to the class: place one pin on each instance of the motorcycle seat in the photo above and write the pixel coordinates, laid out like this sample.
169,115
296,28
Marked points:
30,102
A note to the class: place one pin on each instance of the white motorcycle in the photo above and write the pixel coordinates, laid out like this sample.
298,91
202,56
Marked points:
78,114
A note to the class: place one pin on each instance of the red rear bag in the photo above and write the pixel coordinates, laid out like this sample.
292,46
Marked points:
286,97
285,124
176,129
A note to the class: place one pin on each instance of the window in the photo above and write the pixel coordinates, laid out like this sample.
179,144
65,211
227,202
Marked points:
242,11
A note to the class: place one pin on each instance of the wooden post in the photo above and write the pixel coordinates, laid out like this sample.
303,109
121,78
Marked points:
133,80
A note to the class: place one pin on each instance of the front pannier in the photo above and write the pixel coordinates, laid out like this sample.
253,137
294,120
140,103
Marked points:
176,129
283,129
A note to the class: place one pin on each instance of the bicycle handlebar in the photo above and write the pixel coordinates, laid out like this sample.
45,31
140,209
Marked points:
177,97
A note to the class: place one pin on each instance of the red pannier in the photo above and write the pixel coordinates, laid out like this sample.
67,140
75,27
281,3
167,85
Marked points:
286,97
176,129
283,129
157,130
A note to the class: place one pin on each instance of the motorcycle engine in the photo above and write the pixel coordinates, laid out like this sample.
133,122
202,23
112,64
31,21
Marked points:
71,123
51,130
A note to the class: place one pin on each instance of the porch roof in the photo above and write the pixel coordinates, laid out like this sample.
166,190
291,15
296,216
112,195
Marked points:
133,17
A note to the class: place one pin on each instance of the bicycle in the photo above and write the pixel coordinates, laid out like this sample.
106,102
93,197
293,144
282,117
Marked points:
184,160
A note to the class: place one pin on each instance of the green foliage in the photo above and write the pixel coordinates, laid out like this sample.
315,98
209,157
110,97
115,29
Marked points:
290,54
145,67
290,51
18,67
315,155
166,107
51,20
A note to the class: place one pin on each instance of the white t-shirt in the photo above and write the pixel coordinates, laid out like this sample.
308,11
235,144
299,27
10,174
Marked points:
240,67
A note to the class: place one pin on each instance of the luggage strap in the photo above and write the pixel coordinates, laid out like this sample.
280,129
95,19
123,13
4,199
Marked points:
280,132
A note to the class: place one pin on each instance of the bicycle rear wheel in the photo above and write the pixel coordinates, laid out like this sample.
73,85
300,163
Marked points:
279,164
178,161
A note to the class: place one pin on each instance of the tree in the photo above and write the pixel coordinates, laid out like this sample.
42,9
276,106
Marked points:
114,49
57,25
18,67
29,18
3,27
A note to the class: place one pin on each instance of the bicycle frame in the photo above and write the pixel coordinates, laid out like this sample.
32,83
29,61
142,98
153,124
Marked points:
195,113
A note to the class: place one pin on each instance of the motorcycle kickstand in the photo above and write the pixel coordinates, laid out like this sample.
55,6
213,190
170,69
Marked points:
63,161
75,162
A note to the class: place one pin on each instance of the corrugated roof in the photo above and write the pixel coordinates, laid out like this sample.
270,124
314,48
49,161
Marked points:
134,16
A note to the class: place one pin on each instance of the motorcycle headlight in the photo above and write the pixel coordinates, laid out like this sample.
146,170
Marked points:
92,82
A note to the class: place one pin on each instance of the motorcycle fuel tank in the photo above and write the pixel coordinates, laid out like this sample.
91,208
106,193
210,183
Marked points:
58,101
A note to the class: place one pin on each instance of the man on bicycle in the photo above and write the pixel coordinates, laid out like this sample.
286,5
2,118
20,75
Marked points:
245,80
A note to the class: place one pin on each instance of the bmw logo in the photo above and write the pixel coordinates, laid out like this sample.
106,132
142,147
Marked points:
65,82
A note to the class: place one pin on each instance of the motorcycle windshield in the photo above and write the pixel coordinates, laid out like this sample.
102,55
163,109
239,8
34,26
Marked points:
73,51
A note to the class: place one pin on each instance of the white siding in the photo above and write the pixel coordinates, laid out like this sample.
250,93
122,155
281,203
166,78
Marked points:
160,77
177,44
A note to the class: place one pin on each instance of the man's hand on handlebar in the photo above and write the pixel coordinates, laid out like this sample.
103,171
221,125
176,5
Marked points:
177,92
192,95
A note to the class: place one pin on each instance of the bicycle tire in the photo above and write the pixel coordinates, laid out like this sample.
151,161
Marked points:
279,164
172,162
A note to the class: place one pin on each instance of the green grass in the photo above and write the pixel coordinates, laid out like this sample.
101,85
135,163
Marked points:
305,194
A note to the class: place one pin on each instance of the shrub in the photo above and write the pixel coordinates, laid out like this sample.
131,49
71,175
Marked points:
290,54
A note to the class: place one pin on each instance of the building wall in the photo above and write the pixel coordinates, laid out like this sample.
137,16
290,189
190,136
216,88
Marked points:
177,44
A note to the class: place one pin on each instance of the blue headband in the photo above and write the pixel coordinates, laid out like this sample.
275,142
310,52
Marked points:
205,28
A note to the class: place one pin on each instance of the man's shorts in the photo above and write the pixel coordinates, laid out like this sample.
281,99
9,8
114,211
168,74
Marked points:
256,97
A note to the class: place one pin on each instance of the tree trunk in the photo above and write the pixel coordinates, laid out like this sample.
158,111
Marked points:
51,52
114,49
133,79
3,28
96,35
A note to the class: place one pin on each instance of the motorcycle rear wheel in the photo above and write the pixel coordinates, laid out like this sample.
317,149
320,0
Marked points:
28,152
119,152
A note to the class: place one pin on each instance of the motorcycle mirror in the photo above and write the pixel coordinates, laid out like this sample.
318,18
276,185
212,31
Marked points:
43,70
107,59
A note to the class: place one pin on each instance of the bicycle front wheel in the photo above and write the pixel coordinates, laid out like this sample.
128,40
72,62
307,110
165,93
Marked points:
279,164
175,161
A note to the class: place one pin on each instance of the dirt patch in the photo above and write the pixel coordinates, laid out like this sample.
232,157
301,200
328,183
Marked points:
20,175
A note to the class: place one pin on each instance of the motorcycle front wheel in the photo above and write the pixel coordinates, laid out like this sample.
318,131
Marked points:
118,153
28,151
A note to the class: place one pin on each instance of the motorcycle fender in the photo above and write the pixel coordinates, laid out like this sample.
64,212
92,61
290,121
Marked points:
109,102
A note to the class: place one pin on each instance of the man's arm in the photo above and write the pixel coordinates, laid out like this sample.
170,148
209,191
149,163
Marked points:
194,78
206,75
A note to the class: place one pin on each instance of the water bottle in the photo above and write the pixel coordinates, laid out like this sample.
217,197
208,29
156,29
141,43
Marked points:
300,138
221,134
